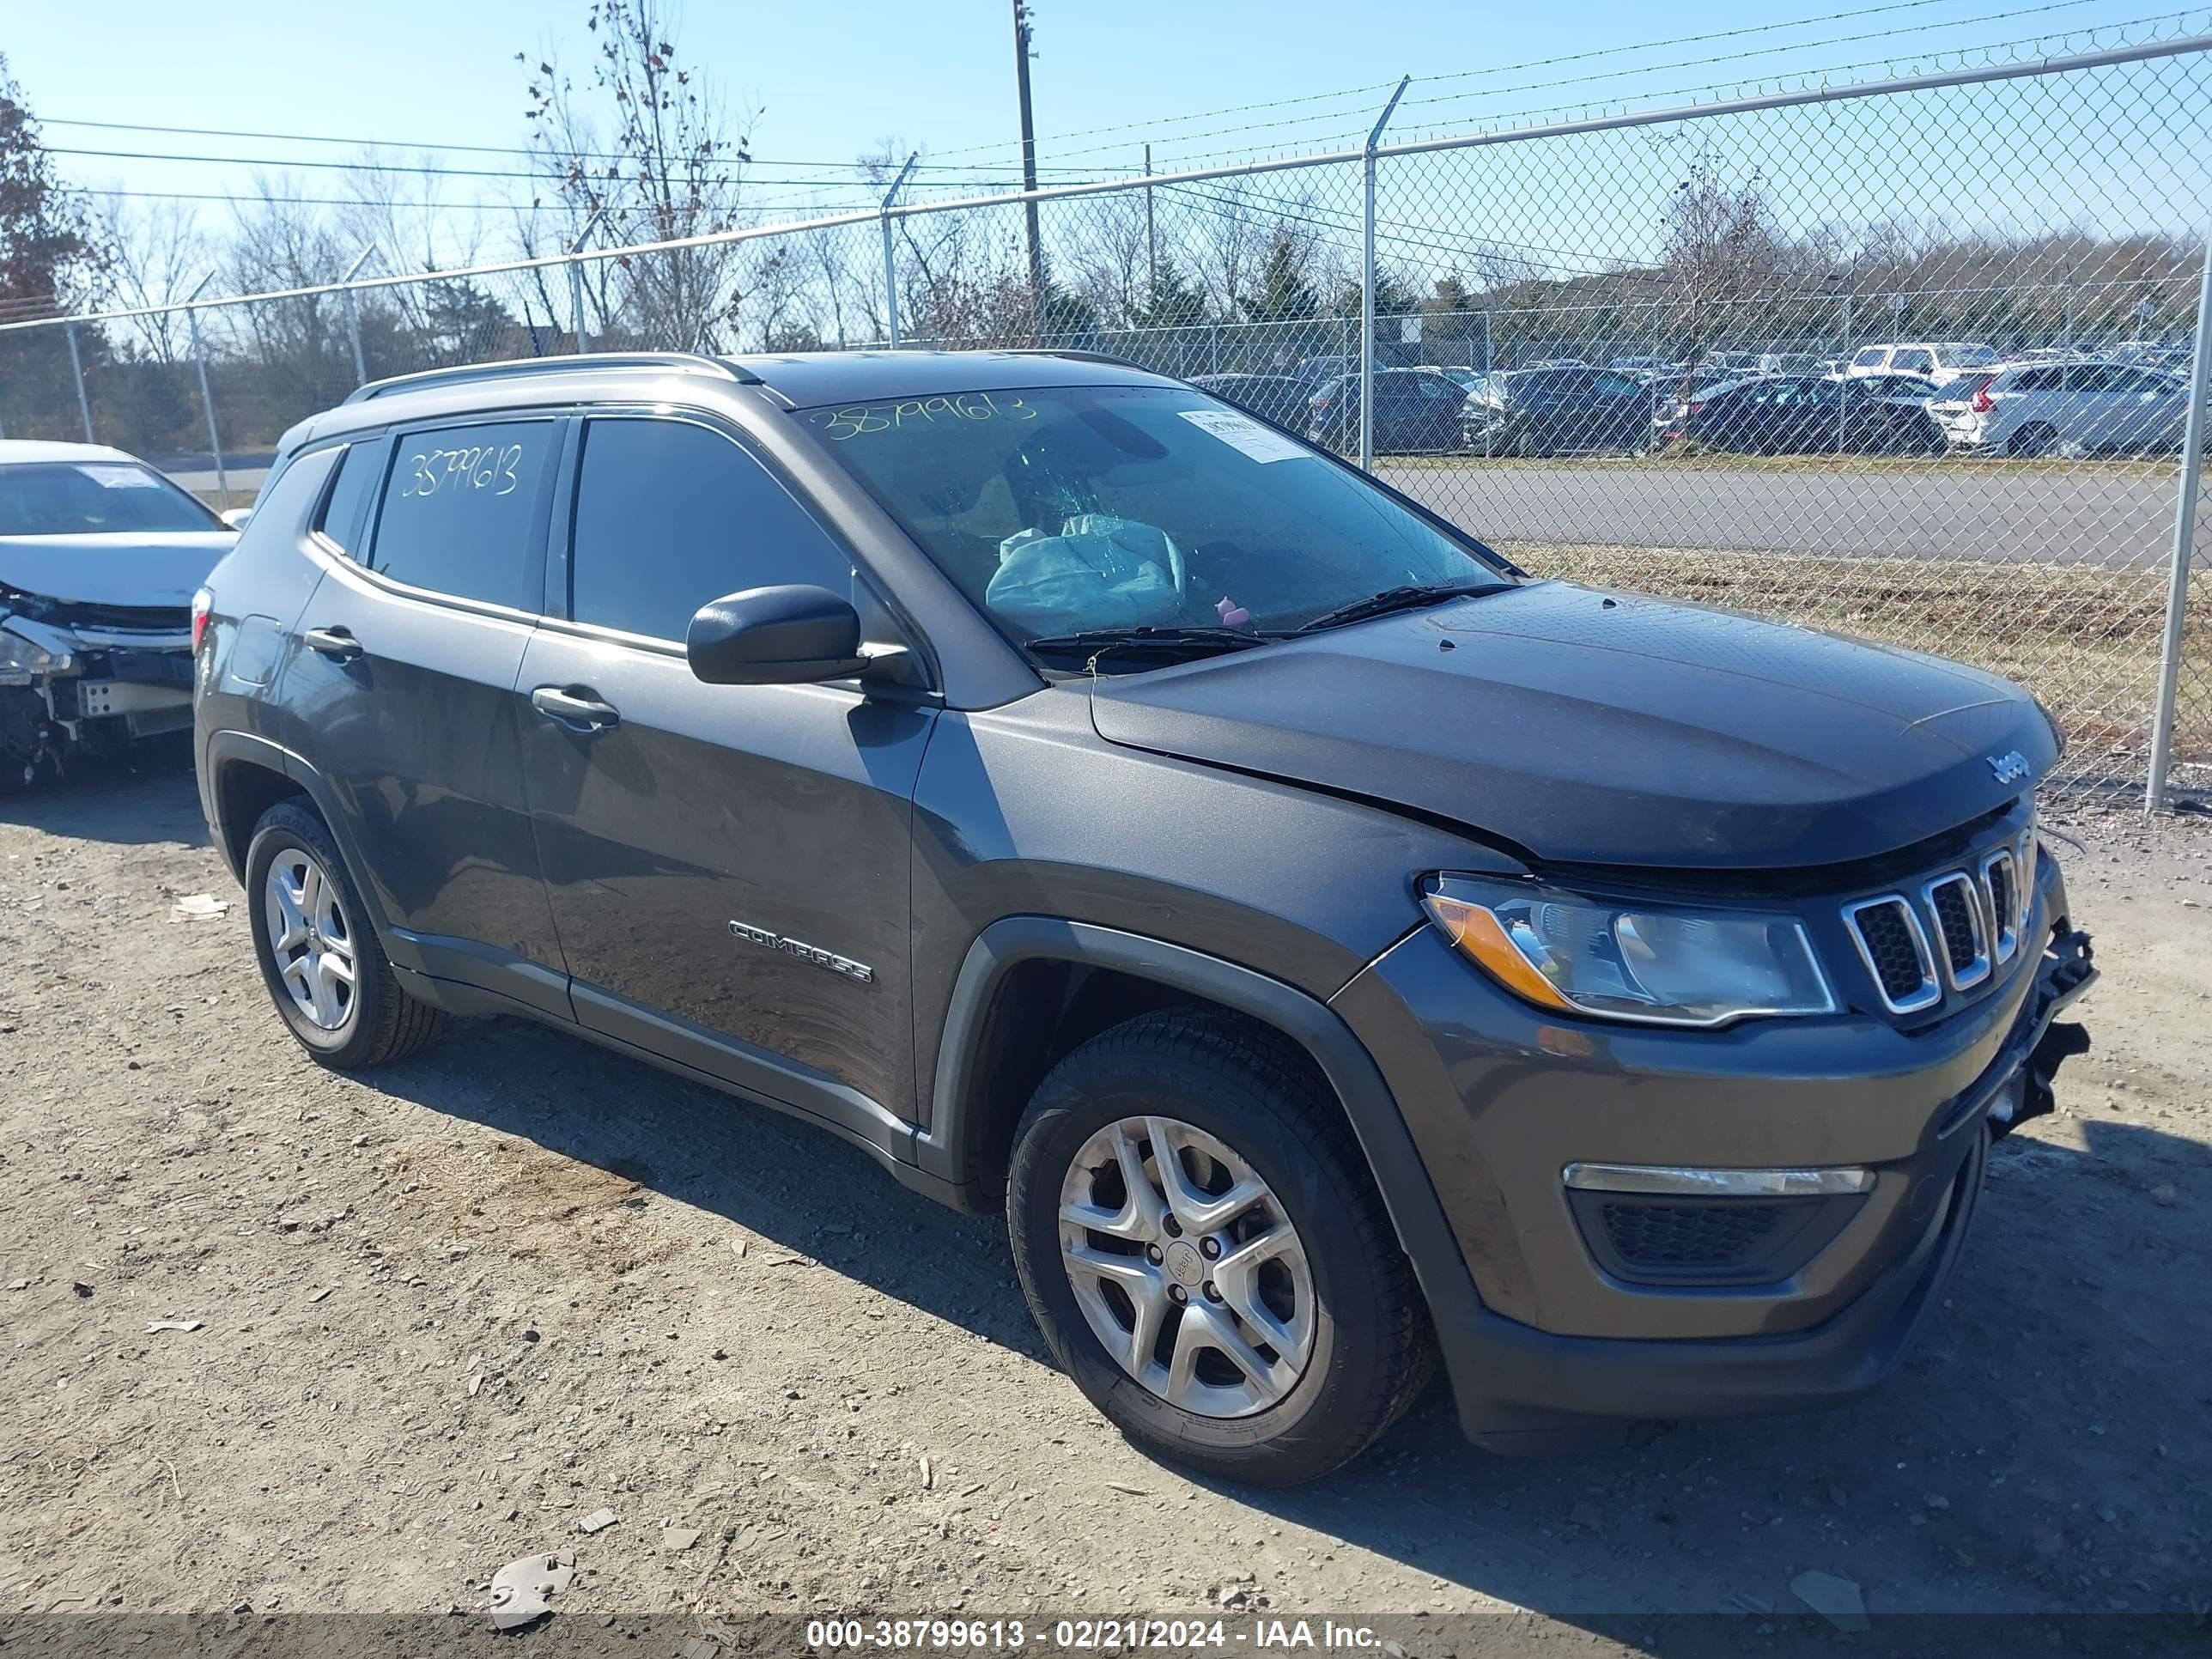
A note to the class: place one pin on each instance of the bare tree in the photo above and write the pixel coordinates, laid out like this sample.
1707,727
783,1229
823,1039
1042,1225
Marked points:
157,252
1721,249
670,169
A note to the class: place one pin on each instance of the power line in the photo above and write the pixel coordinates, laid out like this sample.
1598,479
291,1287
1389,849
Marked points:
1503,69
1644,69
285,163
254,198
1496,118
427,144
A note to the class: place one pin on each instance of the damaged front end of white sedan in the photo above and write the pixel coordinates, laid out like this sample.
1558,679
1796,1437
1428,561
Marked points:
99,555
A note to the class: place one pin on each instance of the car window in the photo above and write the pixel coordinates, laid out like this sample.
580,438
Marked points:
1437,389
457,509
1079,507
2145,380
340,522
1914,362
2094,377
2036,379
1872,357
671,514
94,497
1967,356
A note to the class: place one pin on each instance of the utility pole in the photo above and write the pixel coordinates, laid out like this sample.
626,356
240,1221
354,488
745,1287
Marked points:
1028,164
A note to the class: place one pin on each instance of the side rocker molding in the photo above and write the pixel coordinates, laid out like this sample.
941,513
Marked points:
1415,1210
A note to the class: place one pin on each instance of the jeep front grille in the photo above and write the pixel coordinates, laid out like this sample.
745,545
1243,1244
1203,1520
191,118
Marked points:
1895,949
1951,935
1956,904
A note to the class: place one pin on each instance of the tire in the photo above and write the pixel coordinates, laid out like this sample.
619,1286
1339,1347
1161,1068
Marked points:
376,1021
2038,438
1366,1351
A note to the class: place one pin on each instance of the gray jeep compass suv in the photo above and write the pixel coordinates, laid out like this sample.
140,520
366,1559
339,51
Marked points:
1334,948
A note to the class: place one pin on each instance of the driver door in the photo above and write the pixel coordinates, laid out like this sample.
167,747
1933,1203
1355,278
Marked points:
727,865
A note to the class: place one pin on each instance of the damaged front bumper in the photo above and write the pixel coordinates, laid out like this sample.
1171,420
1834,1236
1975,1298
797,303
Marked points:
66,691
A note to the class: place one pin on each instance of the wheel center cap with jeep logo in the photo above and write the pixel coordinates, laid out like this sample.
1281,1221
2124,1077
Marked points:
1184,1264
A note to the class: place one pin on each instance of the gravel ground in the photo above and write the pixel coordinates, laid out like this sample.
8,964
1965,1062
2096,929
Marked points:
442,1317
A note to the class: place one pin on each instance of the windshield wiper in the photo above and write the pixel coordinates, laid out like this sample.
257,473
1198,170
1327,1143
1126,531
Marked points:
1090,642
1407,597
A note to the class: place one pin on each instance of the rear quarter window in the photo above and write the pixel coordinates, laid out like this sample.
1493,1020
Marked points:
459,510
343,520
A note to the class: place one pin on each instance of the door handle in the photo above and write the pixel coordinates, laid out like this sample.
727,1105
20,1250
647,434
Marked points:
338,644
579,713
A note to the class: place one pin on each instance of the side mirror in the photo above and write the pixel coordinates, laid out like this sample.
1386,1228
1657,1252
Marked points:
237,517
775,637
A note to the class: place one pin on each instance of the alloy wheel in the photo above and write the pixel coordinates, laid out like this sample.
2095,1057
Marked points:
311,939
1187,1267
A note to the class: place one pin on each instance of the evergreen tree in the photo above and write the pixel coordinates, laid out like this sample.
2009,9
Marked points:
1286,291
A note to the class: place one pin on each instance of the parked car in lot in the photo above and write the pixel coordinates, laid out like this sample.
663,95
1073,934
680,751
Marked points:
99,556
2037,409
1326,944
1941,362
1414,413
1317,371
1914,389
1555,411
1277,397
1807,415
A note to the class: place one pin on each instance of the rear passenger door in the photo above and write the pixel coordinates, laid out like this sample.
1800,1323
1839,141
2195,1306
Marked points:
692,834
403,673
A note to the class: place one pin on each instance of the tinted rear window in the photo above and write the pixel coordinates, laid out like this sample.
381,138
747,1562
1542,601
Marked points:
457,510
340,523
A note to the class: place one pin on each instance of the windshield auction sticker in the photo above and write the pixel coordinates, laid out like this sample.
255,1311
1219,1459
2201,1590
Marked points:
111,476
1243,433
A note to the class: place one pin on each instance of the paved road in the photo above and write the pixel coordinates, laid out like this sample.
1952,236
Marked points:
2118,515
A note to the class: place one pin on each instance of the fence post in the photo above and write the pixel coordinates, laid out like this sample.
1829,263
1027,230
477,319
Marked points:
576,280
352,315
890,253
1367,285
207,398
2185,543
77,368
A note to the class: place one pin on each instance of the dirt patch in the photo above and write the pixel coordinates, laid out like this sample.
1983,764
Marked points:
447,1313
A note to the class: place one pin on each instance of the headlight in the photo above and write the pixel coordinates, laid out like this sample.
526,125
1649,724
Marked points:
19,656
1660,964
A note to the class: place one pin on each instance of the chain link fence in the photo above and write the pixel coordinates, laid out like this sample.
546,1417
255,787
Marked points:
1912,359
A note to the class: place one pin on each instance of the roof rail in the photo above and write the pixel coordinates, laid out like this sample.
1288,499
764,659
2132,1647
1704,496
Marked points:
1076,356
690,362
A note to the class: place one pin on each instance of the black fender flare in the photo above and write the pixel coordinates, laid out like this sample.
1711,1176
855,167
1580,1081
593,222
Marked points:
1408,1196
228,748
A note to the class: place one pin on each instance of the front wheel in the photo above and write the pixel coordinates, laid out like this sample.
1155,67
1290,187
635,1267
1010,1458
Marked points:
1198,1238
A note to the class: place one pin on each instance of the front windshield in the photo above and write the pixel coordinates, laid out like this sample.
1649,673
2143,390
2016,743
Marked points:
76,498
1071,508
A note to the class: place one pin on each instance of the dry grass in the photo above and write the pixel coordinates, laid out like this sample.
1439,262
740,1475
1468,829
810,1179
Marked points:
2086,640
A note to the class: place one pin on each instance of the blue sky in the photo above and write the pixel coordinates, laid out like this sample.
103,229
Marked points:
830,80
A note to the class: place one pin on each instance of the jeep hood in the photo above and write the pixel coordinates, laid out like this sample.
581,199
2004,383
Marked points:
136,569
1583,727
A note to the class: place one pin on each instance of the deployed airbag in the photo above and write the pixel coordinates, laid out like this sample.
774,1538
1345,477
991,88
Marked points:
1097,572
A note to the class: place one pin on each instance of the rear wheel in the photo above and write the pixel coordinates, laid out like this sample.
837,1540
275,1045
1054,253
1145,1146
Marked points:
2037,438
325,967
1199,1239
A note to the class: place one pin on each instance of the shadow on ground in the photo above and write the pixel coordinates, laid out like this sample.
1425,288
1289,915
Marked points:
144,795
2031,1455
